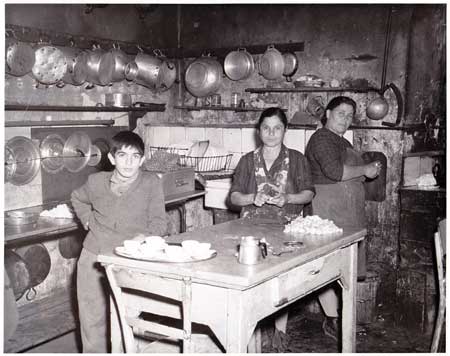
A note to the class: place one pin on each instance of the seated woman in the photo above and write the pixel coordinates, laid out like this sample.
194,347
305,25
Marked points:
273,182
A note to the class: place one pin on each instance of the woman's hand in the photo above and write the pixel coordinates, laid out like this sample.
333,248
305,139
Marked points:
372,169
260,198
278,200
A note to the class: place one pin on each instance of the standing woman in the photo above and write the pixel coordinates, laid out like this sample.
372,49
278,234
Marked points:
338,172
273,182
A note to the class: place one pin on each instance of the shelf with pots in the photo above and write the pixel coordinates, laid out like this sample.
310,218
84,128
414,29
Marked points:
217,107
311,90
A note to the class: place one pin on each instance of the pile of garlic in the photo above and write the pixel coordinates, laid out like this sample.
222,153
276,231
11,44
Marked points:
313,225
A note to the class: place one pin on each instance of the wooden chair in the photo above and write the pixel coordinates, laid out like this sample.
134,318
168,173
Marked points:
128,314
440,250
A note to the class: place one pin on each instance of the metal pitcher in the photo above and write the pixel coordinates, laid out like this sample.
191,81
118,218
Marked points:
251,250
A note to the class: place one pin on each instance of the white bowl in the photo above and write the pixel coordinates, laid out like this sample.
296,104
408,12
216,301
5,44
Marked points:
175,252
190,245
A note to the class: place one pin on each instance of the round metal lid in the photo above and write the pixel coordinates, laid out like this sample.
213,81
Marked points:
52,147
77,151
26,159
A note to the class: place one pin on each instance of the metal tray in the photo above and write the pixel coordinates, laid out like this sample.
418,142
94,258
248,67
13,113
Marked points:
120,251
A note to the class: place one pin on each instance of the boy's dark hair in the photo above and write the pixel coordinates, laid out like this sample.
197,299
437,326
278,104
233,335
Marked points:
126,139
334,103
273,111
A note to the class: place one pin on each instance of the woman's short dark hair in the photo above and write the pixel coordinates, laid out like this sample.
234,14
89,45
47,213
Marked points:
126,139
272,112
335,102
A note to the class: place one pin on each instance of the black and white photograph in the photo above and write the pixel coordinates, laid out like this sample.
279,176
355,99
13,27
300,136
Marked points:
224,177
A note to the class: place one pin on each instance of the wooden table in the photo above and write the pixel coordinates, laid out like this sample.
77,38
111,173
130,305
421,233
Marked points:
231,298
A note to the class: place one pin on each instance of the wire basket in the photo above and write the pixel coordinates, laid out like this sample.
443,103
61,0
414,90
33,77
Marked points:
207,163
200,164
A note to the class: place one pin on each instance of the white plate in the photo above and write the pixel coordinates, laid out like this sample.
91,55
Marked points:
162,257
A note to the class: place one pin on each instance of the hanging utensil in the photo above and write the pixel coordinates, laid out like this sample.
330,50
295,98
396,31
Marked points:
10,164
18,273
38,260
271,64
120,61
290,65
50,65
77,151
96,156
99,66
203,76
19,57
76,60
239,65
26,160
52,150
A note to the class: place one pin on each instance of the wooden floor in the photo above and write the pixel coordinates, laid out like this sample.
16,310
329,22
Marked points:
305,336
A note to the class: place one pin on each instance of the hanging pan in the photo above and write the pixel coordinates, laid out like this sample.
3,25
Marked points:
52,147
290,65
24,160
19,57
38,261
239,65
77,151
18,272
76,72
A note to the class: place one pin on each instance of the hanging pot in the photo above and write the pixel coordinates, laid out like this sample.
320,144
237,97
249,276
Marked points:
50,65
19,57
167,75
10,164
239,65
144,70
203,76
18,272
120,61
99,66
76,60
26,160
77,151
379,107
271,64
290,65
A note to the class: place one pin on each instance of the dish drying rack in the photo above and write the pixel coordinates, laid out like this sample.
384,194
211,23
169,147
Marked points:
200,164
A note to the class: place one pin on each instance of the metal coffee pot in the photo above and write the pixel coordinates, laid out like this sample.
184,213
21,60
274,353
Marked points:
251,250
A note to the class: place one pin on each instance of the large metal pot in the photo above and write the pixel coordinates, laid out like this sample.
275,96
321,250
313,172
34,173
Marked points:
120,61
19,57
203,76
76,60
239,64
77,151
50,65
99,66
271,64
23,159
151,71
18,273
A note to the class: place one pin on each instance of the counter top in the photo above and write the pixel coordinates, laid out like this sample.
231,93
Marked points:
46,226
424,189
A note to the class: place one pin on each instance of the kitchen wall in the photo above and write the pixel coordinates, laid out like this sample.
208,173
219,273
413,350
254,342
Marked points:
342,42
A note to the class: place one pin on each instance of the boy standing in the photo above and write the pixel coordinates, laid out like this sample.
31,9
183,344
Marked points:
113,206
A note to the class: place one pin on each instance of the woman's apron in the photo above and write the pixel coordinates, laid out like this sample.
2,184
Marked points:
271,185
344,204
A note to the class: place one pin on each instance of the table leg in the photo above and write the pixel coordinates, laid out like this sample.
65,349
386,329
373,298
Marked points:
116,335
349,301
239,327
